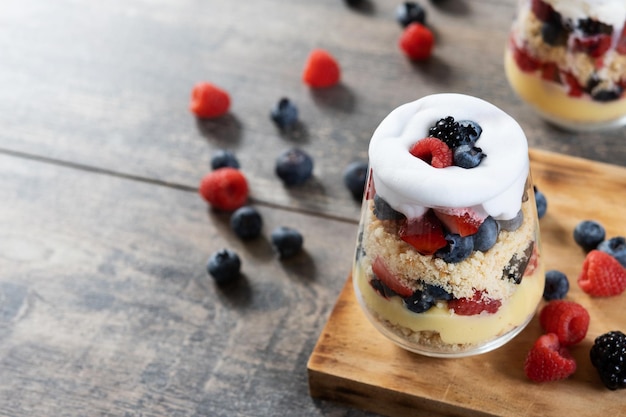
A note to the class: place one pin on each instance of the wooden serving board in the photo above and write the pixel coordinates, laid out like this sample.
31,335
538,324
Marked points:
354,365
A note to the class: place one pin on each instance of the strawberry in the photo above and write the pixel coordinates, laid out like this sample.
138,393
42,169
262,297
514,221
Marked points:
475,305
433,151
567,319
602,275
542,10
321,69
382,273
208,101
463,222
620,48
417,41
575,89
524,61
425,233
594,46
550,72
547,360
225,188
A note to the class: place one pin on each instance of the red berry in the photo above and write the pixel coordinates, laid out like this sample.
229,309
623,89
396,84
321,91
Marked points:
382,273
550,72
432,151
208,100
542,10
621,43
567,319
575,89
475,305
602,275
547,360
321,69
524,61
225,188
425,233
532,262
417,41
463,223
594,46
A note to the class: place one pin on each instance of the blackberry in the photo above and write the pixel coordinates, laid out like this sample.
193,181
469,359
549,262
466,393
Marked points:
608,356
447,130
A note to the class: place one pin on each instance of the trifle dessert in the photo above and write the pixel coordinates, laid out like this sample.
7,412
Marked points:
567,58
447,260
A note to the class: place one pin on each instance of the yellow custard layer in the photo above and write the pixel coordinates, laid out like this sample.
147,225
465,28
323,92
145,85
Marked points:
552,101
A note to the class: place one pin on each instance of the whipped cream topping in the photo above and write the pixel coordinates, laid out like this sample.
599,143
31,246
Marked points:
611,12
411,186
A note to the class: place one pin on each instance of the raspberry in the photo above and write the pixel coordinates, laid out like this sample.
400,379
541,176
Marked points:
475,305
417,42
547,360
321,69
602,275
432,151
208,101
567,319
225,188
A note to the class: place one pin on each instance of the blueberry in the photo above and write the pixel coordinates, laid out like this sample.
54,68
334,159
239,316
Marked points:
468,156
556,286
542,203
294,166
410,12
224,266
286,241
223,158
354,177
470,131
284,113
381,288
588,234
383,211
513,224
457,249
616,247
246,222
419,302
487,235
607,95
553,33
437,292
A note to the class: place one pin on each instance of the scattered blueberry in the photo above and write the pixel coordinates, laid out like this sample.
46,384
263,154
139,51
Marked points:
470,131
354,178
285,113
487,235
542,203
383,211
557,285
294,166
457,249
286,241
419,302
410,12
513,224
224,266
224,158
616,247
468,156
246,222
588,234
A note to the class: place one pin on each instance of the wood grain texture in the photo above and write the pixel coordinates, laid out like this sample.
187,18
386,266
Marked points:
353,364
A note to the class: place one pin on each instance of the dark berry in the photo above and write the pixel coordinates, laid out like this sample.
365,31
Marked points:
553,33
287,241
592,27
410,12
447,130
224,266
437,292
607,95
383,211
542,203
354,177
224,158
419,302
284,113
469,131
294,166
557,285
511,225
588,234
608,356
468,156
246,222
381,288
457,249
514,270
487,235
616,247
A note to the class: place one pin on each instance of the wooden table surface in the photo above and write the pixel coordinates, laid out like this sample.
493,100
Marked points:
106,308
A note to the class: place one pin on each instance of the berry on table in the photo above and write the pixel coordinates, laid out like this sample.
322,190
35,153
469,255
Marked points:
487,235
287,241
457,249
294,166
557,285
246,222
224,189
354,178
468,156
588,234
224,158
616,247
284,113
602,275
541,201
548,361
432,151
224,266
417,42
567,319
608,356
209,101
321,69
475,305
410,12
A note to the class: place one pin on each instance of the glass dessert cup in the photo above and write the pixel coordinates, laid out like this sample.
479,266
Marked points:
448,258
567,59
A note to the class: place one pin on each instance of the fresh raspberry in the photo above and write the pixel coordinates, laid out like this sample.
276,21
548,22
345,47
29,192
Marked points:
602,275
475,305
417,42
524,61
386,277
547,360
225,188
567,319
432,151
424,233
208,101
321,69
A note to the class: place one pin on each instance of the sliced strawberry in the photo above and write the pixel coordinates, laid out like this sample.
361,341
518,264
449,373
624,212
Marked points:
391,281
621,43
524,61
321,69
550,72
602,275
475,305
575,89
567,319
425,234
542,10
463,222
547,360
433,151
594,46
